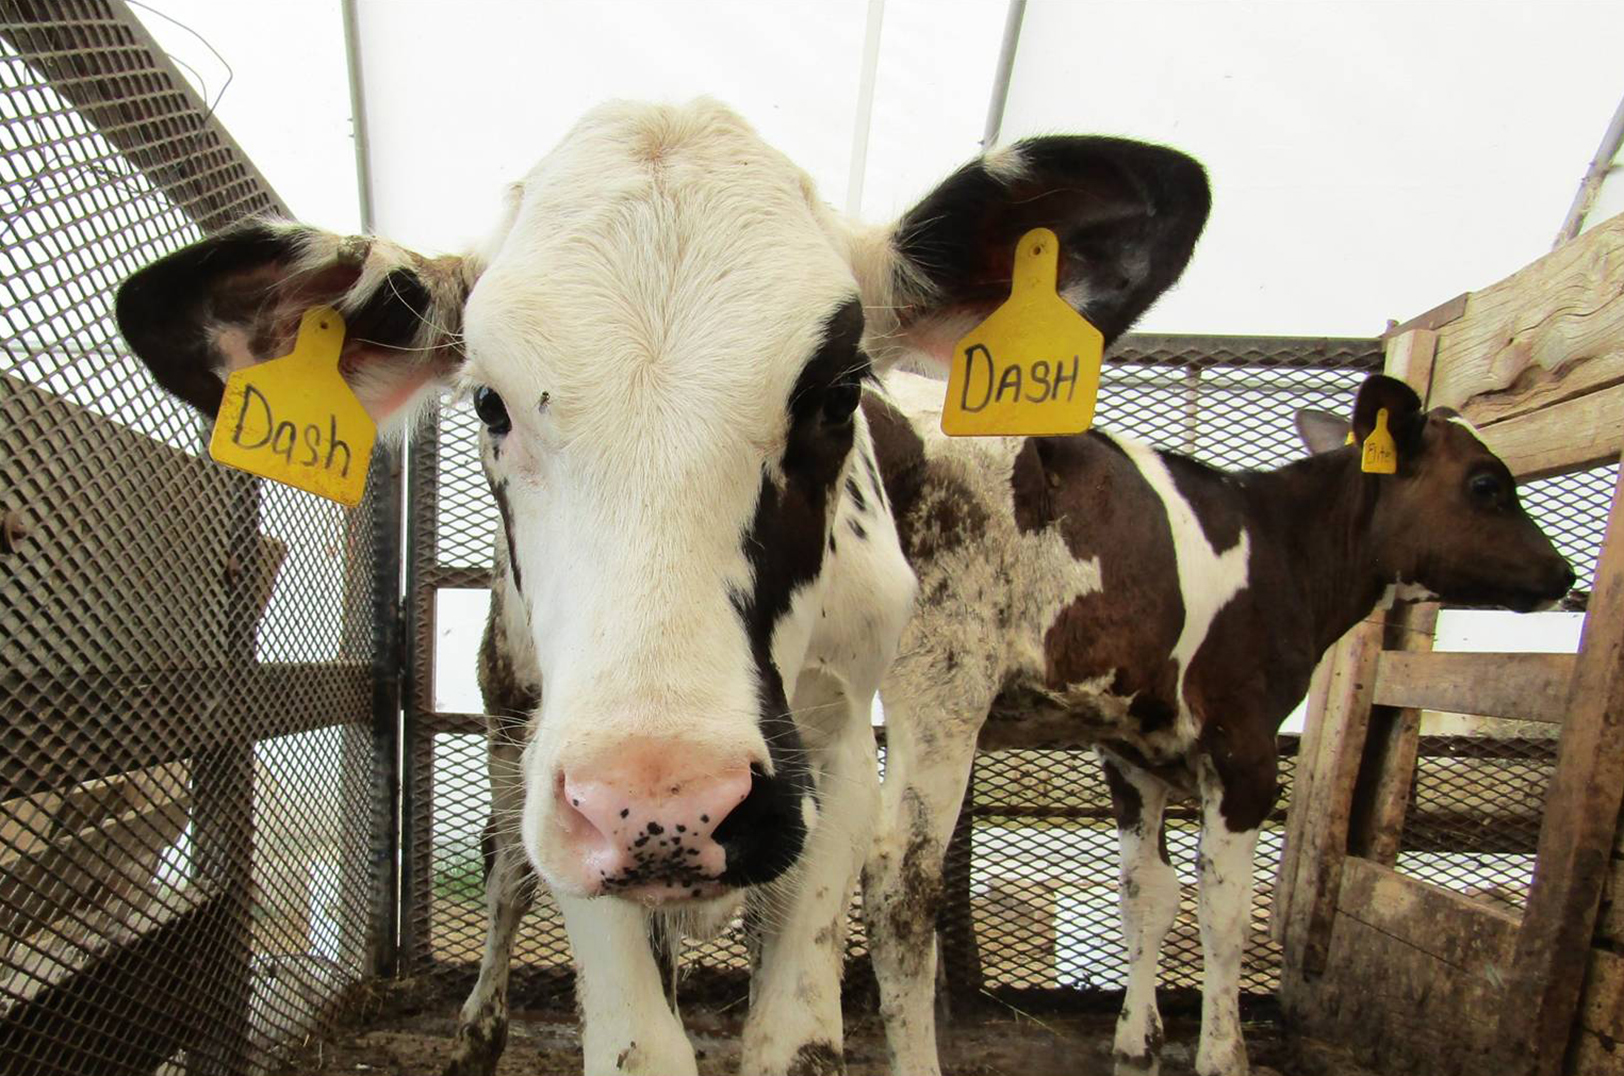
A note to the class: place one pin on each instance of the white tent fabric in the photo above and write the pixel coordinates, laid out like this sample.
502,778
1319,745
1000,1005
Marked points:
1369,158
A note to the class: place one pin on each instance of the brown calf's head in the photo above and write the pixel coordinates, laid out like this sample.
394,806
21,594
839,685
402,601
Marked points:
1448,520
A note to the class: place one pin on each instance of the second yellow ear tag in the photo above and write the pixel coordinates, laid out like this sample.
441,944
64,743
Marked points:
1032,368
1380,453
295,420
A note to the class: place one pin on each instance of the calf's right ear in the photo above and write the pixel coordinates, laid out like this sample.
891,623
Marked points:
235,299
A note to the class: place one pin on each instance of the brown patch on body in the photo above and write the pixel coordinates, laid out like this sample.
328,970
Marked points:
1128,628
1127,806
934,508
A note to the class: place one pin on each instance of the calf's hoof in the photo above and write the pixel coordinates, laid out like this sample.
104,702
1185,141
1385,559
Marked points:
477,1050
1124,1065
1227,1061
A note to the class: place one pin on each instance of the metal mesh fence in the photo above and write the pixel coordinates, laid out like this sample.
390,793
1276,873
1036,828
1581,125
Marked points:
1473,818
187,836
1033,875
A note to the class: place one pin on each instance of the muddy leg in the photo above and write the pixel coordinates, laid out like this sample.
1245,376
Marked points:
1229,829
1149,902
925,775
509,887
794,1025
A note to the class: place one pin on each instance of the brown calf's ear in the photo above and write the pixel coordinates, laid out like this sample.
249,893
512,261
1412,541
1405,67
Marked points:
1321,431
1403,407
235,299
1127,215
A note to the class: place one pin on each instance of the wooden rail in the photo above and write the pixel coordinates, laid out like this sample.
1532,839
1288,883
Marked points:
1531,687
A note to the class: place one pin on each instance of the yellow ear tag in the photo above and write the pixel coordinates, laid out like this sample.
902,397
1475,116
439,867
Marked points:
1380,453
1348,440
1032,368
294,419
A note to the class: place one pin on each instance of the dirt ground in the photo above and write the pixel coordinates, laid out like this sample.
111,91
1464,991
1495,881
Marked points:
404,1032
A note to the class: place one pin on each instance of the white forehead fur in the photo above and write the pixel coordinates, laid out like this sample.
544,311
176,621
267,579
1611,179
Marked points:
663,260
662,272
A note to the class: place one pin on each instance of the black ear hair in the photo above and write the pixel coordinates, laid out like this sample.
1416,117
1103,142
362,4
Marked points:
235,299
1127,215
1321,431
1403,406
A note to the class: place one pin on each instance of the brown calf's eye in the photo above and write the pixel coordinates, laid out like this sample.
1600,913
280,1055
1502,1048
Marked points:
1485,487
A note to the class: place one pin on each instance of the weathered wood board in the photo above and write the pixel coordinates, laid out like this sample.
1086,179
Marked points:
1530,687
1550,332
1598,1046
1568,436
1419,974
1577,834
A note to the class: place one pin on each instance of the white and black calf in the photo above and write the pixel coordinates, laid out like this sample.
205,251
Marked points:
1167,612
699,583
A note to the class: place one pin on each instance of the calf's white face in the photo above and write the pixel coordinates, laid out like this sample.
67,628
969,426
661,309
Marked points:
666,341
665,347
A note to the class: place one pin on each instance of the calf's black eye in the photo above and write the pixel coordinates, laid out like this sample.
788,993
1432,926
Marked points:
840,400
1485,487
491,410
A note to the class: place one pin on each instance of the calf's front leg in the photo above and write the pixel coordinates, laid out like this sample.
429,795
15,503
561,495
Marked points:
628,1027
1234,803
926,770
794,1027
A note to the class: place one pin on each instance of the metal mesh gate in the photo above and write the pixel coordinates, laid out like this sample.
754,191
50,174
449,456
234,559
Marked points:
194,813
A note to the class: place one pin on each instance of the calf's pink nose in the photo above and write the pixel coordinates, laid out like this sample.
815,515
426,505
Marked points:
643,823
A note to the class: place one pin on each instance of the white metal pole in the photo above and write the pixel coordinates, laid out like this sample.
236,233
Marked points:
1595,176
865,107
358,113
1000,78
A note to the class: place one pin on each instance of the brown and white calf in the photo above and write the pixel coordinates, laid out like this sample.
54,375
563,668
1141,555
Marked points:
699,586
1169,613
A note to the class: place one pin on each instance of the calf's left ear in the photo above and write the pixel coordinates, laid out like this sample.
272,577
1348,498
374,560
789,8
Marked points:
1127,215
1321,431
1404,416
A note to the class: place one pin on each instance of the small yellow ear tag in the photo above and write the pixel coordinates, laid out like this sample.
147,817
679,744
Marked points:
295,420
1032,368
1380,453
1348,440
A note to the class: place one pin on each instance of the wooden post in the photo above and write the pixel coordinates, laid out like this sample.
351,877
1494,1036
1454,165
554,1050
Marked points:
1323,836
1333,754
417,700
1576,837
1302,786
1387,775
